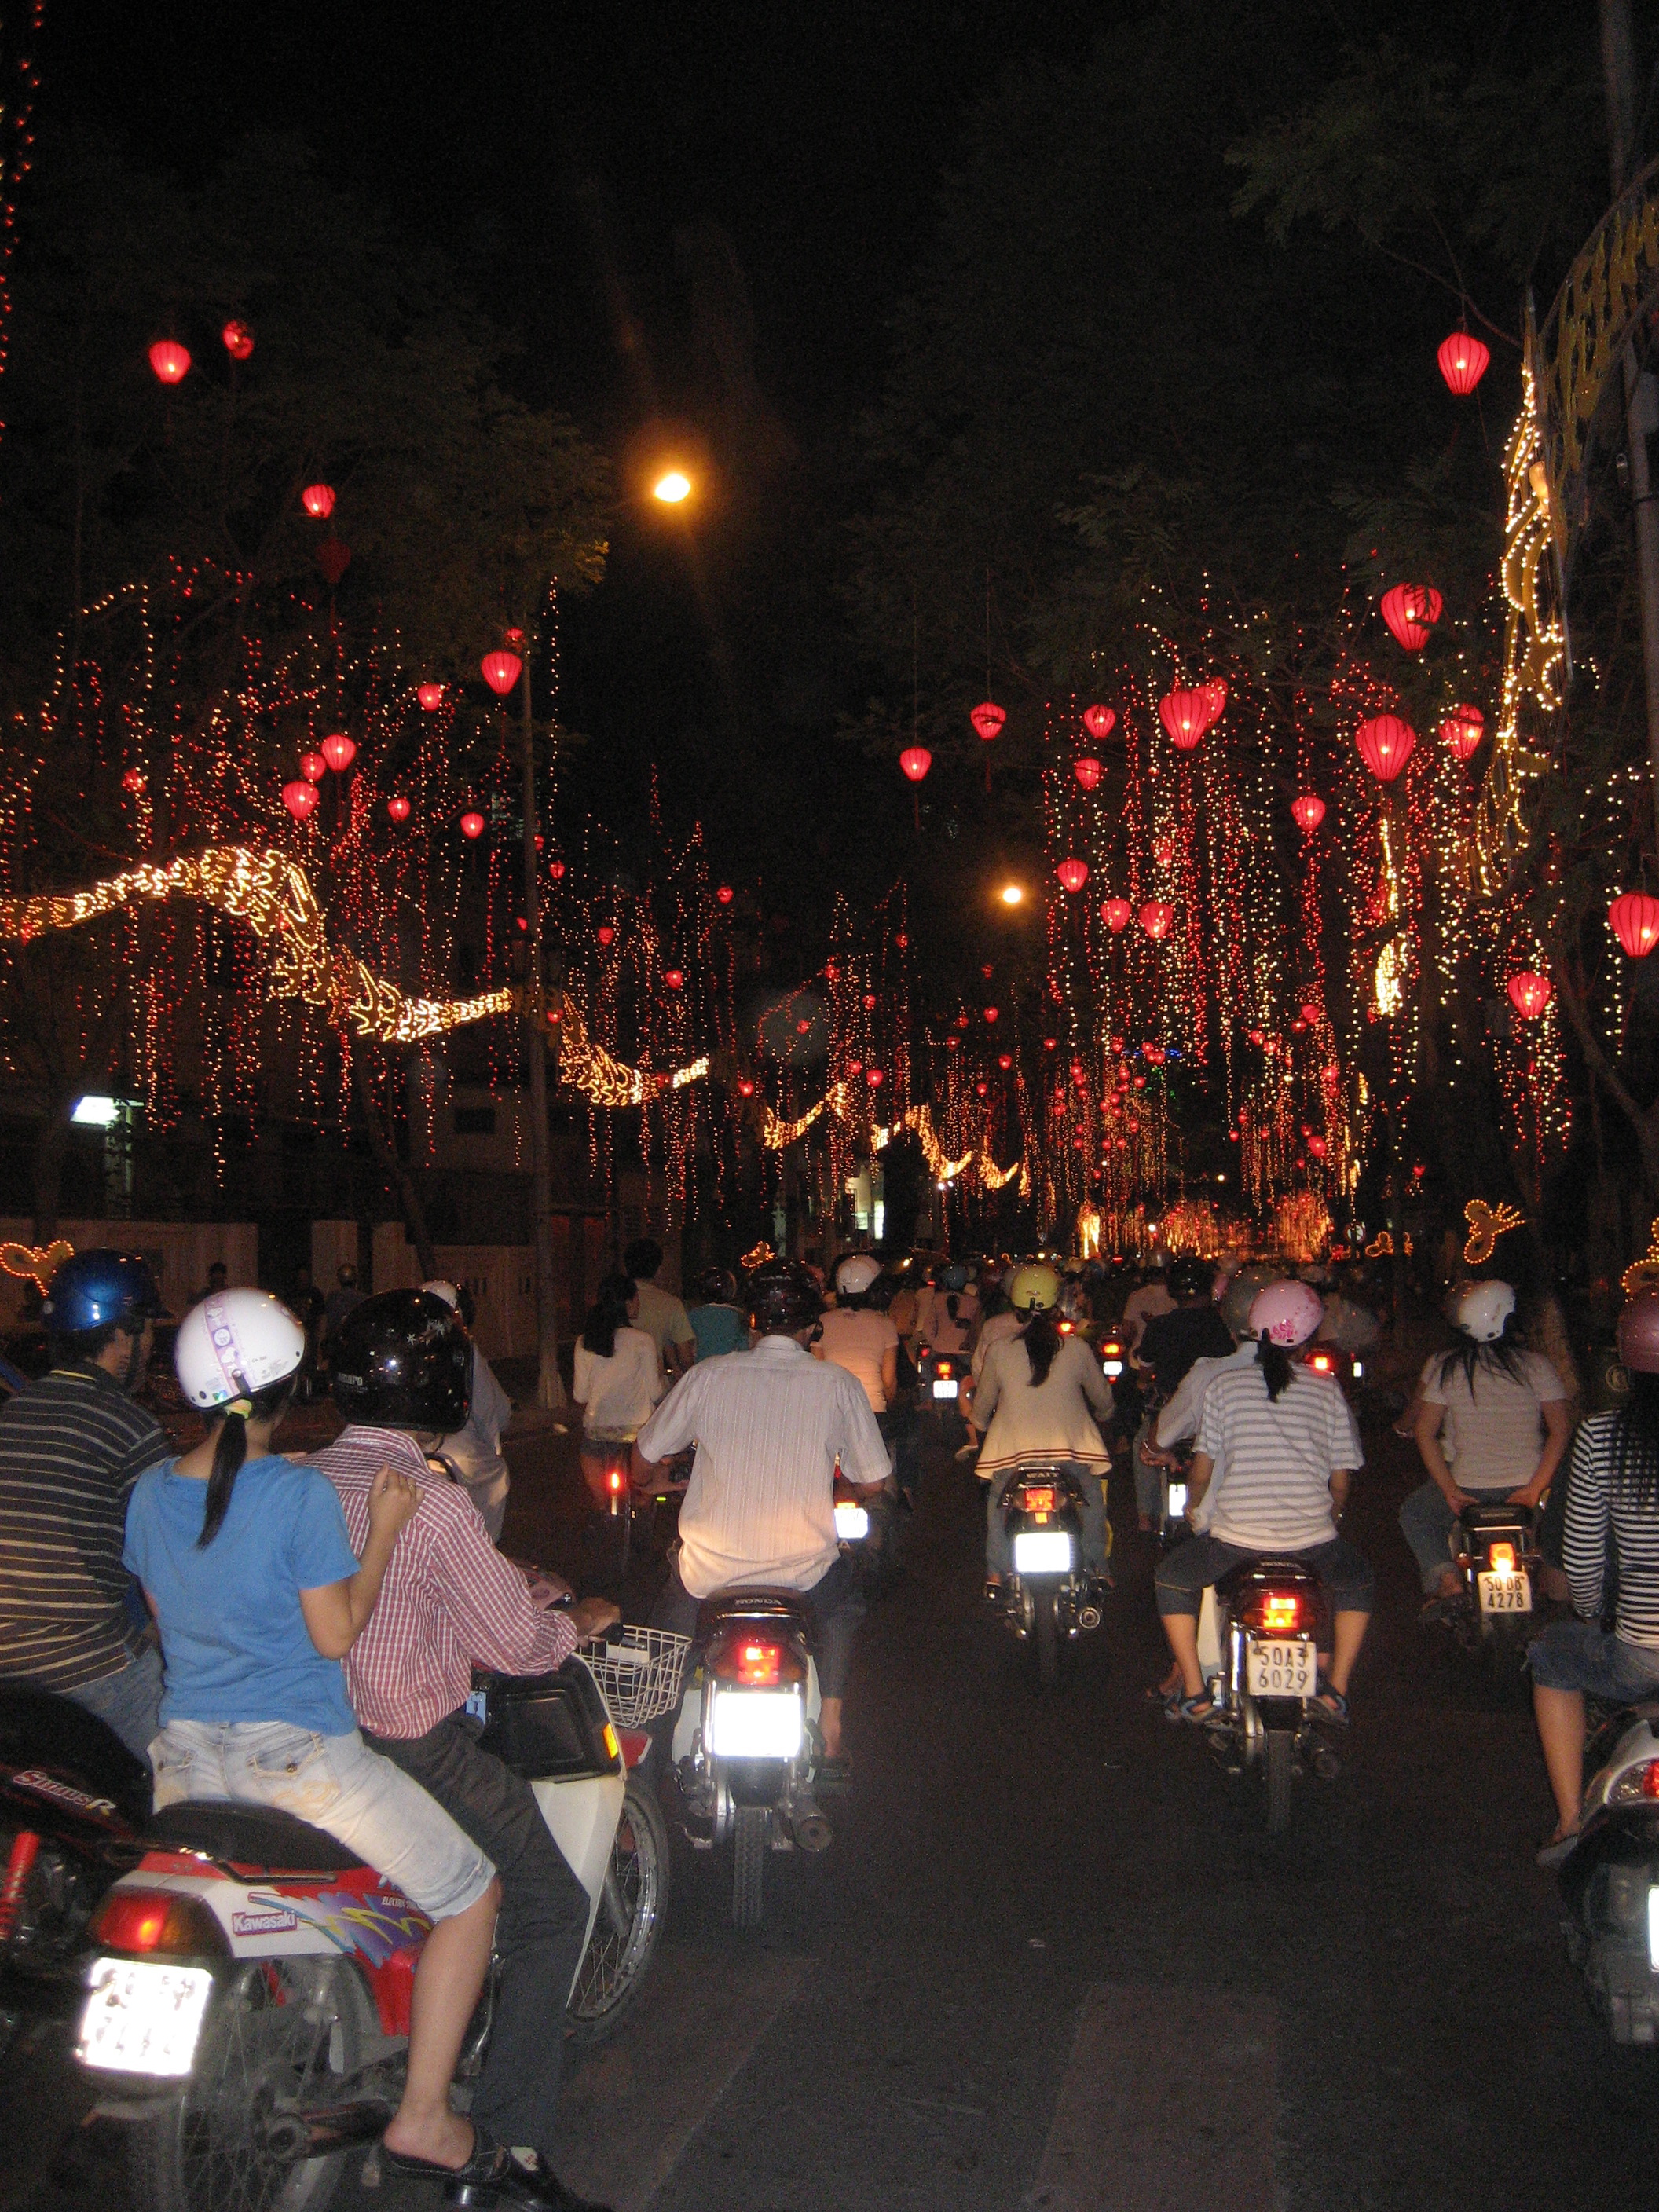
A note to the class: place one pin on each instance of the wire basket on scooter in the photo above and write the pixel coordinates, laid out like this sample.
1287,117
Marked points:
639,1669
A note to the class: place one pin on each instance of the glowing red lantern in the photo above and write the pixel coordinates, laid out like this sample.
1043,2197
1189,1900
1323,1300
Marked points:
333,558
1463,362
1087,772
1634,921
675,978
951,1043
1073,875
1100,721
1411,611
745,1088
1310,1014
339,751
1385,743
431,696
724,894
501,671
1216,692
399,809
170,360
238,339
874,1076
133,780
1004,1060
317,500
1114,913
1163,851
1316,1146
1155,918
299,799
1462,731
990,1014
1529,995
1308,810
472,825
915,761
604,932
312,767
555,868
987,718
869,1002
1186,716
901,941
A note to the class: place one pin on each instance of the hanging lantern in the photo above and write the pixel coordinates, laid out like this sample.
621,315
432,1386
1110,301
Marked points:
501,671
990,1014
901,941
399,809
317,500
1087,772
745,1088
170,360
1411,611
339,751
133,780
1163,851
1634,921
1051,1044
951,1043
472,824
1155,918
875,1077
981,1090
1308,810
1310,1013
1216,692
333,559
987,718
915,761
238,339
1529,995
431,696
1385,743
1463,362
1004,1060
1100,721
1186,716
1114,913
300,798
675,978
312,767
1073,875
555,868
604,932
1462,731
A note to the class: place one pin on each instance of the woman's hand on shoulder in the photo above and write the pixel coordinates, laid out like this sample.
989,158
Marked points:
393,1501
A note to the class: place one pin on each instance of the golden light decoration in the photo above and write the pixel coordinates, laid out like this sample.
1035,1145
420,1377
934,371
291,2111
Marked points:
1486,1224
1302,1225
756,1256
1643,1275
30,1263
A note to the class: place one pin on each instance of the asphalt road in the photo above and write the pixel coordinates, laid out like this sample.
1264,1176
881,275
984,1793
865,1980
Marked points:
1052,1959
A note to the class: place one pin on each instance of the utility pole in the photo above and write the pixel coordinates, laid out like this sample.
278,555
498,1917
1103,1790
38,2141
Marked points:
1641,388
550,1383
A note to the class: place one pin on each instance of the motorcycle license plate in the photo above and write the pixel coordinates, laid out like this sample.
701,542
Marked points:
1043,1552
1506,1593
952,1389
1177,1500
1282,1669
755,1724
1112,1369
143,2017
852,1523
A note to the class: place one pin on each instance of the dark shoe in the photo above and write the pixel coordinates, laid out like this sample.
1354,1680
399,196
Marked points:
485,2163
538,2186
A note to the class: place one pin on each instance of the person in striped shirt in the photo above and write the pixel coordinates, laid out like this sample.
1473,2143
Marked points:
1614,1485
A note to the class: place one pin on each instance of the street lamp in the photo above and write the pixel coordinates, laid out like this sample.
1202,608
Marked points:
1011,894
671,487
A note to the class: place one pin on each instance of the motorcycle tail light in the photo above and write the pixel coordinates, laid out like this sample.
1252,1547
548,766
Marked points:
1111,1349
1636,1785
1502,1558
1066,1327
616,1481
944,1371
755,1662
1321,1362
148,1921
1277,1612
1038,1501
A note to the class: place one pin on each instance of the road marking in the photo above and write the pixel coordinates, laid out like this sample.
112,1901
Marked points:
1171,2099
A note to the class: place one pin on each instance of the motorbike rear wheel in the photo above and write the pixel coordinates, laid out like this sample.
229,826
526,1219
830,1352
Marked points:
1279,1753
751,1839
1045,1635
628,1924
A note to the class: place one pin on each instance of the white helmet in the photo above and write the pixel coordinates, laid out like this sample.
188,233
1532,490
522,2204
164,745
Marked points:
856,1275
1483,1309
447,1291
234,1343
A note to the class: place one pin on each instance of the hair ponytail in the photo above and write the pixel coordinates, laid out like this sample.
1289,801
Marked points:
230,1450
1042,1343
1275,1365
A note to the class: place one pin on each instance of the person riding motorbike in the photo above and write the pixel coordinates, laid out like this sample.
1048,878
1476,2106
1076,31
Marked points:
1170,1343
771,1425
1041,1397
245,1562
949,1315
1615,1486
1483,1406
1276,1446
451,1604
857,1335
616,1378
71,1447
717,1320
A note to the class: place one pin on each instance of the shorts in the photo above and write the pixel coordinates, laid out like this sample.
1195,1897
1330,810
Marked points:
1344,1572
336,1783
1580,1654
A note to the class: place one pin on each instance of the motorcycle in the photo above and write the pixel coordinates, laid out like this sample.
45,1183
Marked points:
1610,1880
1496,1551
944,1381
1174,1488
247,2006
1263,1676
610,1532
746,1742
1047,1600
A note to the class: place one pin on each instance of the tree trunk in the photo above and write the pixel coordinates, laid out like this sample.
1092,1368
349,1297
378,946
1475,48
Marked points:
1644,1120
50,1148
392,1168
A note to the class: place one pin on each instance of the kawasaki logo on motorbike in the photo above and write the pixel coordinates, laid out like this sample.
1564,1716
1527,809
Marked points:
277,1922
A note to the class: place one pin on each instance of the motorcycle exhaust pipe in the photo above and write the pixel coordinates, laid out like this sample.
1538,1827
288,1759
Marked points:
812,1832
293,2137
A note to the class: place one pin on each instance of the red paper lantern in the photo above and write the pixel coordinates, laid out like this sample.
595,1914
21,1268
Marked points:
1087,772
333,559
1100,721
1308,810
1216,692
1163,851
1634,921
915,761
399,809
901,941
1073,875
1310,1013
1004,1060
555,868
501,671
675,978
1114,913
1385,743
1463,362
472,825
951,1043
990,1014
874,1076
317,500
238,339
431,696
1411,611
604,932
745,1088
1529,995
1316,1146
1155,918
725,895
869,1002
339,751
987,718
170,360
981,1090
1462,731
133,780
312,767
1186,716
300,798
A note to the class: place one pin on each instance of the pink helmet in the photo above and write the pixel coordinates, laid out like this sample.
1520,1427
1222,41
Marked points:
1286,1313
1638,1334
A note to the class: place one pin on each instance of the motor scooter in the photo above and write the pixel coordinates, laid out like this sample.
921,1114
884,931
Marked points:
1048,1599
1262,1674
1610,1880
1495,1549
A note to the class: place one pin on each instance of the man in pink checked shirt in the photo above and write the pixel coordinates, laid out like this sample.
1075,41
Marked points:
450,1603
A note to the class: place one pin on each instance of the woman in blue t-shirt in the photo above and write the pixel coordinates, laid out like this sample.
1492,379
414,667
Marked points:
246,1565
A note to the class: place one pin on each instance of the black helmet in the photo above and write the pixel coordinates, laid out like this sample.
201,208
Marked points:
1190,1278
783,1297
401,1361
717,1287
96,1289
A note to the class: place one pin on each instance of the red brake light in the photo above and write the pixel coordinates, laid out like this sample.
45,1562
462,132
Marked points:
1650,1778
1066,1327
944,1371
1278,1613
615,1480
1111,1349
757,1662
1502,1558
1320,1362
147,1920
1038,1501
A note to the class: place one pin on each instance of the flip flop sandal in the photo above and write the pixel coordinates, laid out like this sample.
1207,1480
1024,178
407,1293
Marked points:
1330,1706
1557,1849
1186,1709
1156,1695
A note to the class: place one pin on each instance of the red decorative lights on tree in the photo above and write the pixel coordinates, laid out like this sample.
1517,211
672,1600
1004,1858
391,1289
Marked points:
501,671
1163,851
1462,731
1463,362
915,761
431,696
987,718
300,798
1073,874
1411,611
1529,995
1186,716
170,360
339,751
1114,913
312,767
317,500
745,1088
472,824
1634,921
1308,812
237,339
1087,772
399,808
1155,918
1100,721
1216,692
1385,743
1004,1060
133,780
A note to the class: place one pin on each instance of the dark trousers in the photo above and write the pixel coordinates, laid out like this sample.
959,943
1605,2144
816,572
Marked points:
837,1609
538,1936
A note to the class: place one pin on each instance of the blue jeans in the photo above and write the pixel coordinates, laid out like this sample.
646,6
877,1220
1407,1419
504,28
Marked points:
1344,1572
1426,1522
999,1558
1579,1655
130,1701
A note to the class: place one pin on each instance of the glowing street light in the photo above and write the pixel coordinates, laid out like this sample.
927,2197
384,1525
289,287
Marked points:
673,487
1011,894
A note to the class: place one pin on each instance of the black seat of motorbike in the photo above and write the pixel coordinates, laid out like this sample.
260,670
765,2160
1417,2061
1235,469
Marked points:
1259,1572
39,1728
250,1836
779,1608
1495,1515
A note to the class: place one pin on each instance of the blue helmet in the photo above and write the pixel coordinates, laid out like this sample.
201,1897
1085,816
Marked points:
94,1290
955,1277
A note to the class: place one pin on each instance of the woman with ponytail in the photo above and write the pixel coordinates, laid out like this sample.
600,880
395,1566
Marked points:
245,1565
